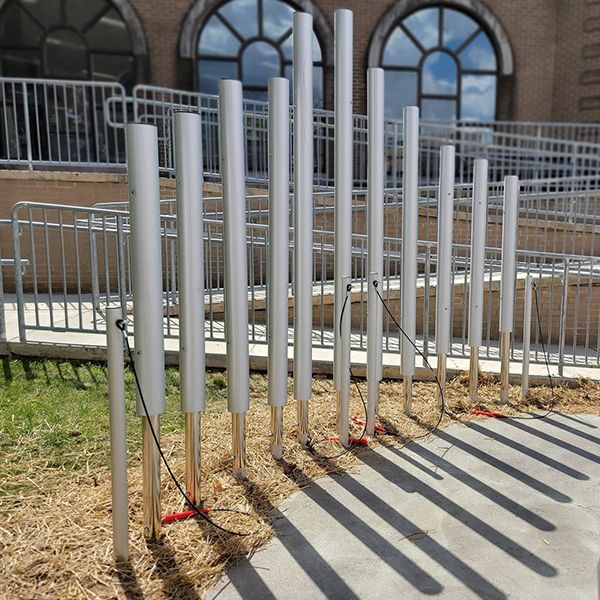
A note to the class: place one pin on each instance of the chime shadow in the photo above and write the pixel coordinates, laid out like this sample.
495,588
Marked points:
472,482
412,485
504,467
406,528
568,429
534,454
128,580
6,368
546,437
299,548
175,583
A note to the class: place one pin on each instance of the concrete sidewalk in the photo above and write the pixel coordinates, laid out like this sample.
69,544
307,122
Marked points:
497,509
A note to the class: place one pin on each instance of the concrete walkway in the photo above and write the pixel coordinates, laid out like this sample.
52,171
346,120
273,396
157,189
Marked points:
498,509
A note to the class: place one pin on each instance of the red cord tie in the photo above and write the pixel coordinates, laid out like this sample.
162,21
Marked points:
377,428
182,516
487,413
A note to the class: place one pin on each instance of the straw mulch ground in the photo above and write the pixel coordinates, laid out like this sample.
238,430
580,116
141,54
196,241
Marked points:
55,537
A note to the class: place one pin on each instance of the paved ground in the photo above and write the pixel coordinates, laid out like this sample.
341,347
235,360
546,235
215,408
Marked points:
498,509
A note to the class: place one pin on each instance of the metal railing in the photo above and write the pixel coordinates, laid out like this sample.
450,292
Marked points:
79,124
55,123
70,261
524,152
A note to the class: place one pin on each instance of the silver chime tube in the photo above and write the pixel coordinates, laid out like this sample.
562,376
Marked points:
190,252
443,313
510,215
118,434
277,298
410,223
148,329
302,26
231,130
375,213
476,270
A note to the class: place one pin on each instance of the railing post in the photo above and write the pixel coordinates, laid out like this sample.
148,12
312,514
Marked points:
410,224
303,131
375,218
526,335
510,216
118,433
2,314
190,240
476,271
27,127
231,128
563,319
16,232
144,202
443,316
121,245
277,297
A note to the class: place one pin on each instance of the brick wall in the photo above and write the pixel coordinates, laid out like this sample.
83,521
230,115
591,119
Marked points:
555,45
577,81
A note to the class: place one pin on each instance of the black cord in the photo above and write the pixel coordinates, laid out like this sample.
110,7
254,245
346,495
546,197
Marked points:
120,323
550,410
311,446
425,361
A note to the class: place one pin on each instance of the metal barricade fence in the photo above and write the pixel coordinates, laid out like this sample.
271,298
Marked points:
516,150
61,123
80,124
77,260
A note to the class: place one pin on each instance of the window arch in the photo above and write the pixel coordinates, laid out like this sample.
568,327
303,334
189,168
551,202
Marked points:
250,40
71,39
442,59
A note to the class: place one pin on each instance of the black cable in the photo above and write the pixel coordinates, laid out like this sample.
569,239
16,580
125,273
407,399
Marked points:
120,323
311,446
425,361
549,410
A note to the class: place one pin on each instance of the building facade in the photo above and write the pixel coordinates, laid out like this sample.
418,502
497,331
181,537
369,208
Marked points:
466,59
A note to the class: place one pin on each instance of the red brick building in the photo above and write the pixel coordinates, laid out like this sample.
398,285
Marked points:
503,59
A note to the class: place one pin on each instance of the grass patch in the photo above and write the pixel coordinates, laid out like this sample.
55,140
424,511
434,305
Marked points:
55,415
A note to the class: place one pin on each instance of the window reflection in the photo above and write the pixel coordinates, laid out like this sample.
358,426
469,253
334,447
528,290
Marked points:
479,54
425,26
458,27
401,50
217,39
67,39
210,71
478,97
400,91
65,54
438,110
441,60
251,40
439,74
260,61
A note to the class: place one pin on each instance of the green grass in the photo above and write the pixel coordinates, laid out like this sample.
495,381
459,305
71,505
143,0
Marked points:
55,414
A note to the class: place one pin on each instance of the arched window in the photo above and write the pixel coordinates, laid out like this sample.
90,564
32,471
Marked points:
68,39
443,61
250,40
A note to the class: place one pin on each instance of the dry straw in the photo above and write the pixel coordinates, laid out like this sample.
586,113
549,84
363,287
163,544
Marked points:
55,538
